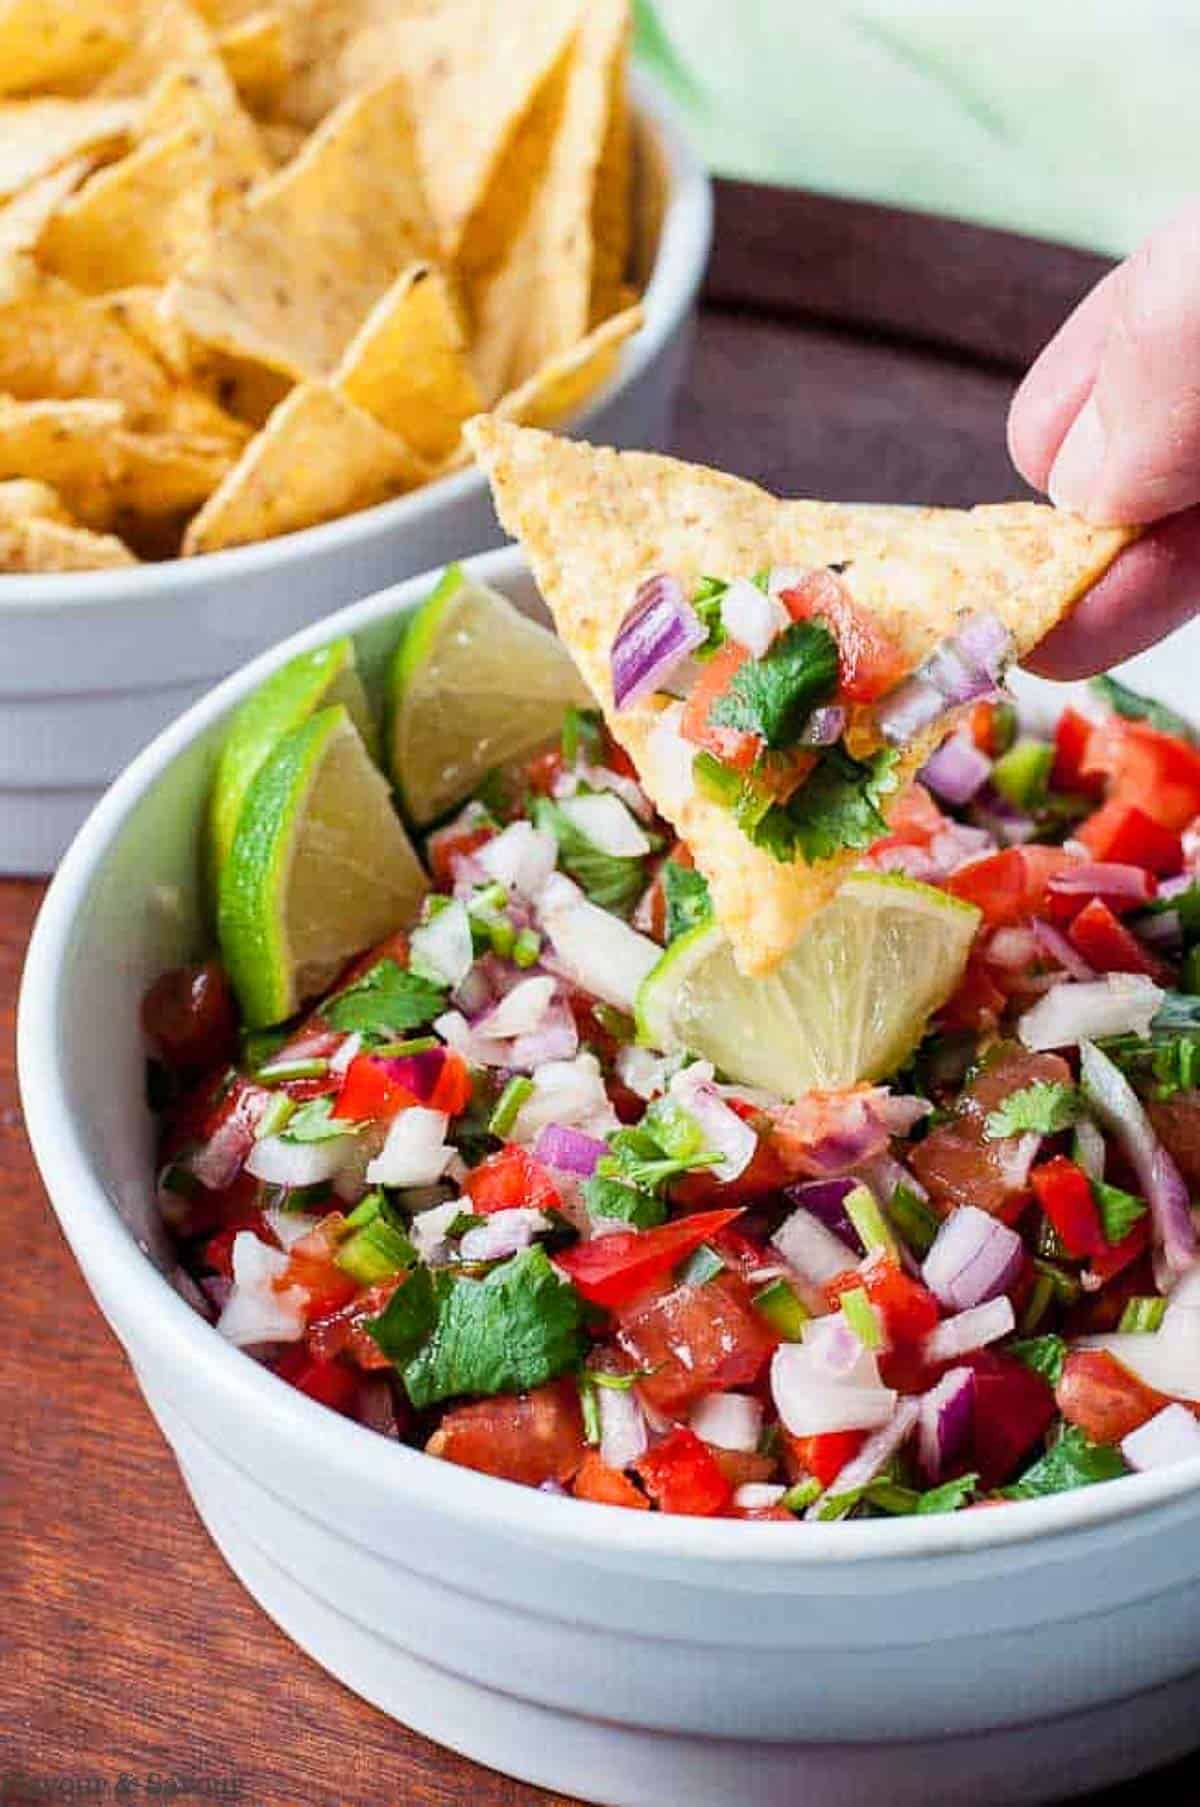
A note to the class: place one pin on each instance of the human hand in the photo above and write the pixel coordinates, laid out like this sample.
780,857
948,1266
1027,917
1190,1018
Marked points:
1107,423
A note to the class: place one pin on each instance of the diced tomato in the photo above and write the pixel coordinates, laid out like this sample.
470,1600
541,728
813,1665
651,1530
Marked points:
542,772
190,1017
1008,886
1065,1194
869,661
908,1309
508,1180
1071,736
527,1437
977,1003
735,747
1123,833
1121,886
681,1476
913,819
311,1267
741,1467
453,1091
341,1332
1176,1122
448,845
825,1456
764,1174
959,1163
330,1383
696,1340
611,1270
607,1486
218,1250
1109,946
1103,1397
1014,1408
370,1094
1145,766
1115,1257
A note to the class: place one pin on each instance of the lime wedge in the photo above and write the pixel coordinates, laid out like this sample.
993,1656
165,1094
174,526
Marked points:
310,681
473,683
849,1002
320,868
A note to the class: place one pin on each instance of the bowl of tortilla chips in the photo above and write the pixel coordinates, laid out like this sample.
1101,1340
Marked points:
258,265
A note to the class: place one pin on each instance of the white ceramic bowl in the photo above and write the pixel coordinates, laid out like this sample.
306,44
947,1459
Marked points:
94,664
989,1657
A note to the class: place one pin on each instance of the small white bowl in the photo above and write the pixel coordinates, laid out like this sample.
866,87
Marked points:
96,663
984,1658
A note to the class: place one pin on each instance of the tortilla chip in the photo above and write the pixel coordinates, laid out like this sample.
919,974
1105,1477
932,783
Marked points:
23,499
138,310
58,44
562,386
596,522
612,206
161,33
23,219
288,279
202,97
281,140
36,136
41,544
100,467
318,457
254,52
407,364
138,220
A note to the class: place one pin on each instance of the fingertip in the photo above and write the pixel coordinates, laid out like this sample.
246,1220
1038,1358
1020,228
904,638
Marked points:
1149,590
1057,385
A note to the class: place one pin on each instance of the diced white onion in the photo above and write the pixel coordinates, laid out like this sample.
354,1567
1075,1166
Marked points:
520,1011
607,824
347,1051
670,759
623,1435
599,952
750,617
724,1132
1118,1004
809,1403
1172,1435
284,1163
643,1072
1167,1359
504,1233
757,1496
441,948
415,1152
256,1311
730,1420
521,857
808,1246
289,1227
971,1329
428,1229
569,1092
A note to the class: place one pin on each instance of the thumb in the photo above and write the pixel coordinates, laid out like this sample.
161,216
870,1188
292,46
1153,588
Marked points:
1132,453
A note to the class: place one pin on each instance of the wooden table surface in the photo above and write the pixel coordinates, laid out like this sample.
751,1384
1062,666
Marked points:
844,351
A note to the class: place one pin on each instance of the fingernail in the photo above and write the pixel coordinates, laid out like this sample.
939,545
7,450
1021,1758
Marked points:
1075,474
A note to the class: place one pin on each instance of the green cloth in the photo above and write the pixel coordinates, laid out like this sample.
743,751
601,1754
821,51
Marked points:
1068,121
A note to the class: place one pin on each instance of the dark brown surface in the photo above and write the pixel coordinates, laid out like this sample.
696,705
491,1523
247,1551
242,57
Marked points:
126,1648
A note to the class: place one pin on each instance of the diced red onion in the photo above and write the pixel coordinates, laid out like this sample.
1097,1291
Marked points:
289,1227
1175,887
415,1152
1164,931
659,629
1074,1012
623,1436
985,642
569,1149
836,1134
217,1162
192,1294
1119,1109
751,616
964,669
956,844
1120,885
1001,819
1052,942
606,822
811,1249
428,1229
474,995
1172,1435
810,1407
944,1423
824,727
909,709
377,1406
836,1352
913,862
957,770
1090,1152
974,1257
723,1131
874,1455
729,1420
970,1329
502,1233
417,1073
826,1200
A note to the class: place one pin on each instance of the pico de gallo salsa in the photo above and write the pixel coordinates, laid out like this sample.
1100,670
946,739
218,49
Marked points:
459,1203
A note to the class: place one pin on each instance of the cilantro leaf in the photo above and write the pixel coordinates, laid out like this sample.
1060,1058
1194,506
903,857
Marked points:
614,881
887,1495
950,1496
387,1000
707,604
608,1197
1046,1106
1044,1354
688,902
407,1319
837,806
1134,707
582,732
518,1327
314,1122
774,696
1119,1210
1168,1060
1074,1461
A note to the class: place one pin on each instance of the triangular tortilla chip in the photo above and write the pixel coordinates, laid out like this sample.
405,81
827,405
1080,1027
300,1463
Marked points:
23,219
291,276
612,205
254,52
38,135
565,382
60,45
25,499
202,96
138,220
160,34
40,544
407,364
318,457
595,522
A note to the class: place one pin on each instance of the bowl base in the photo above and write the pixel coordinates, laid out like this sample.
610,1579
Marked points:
622,1766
